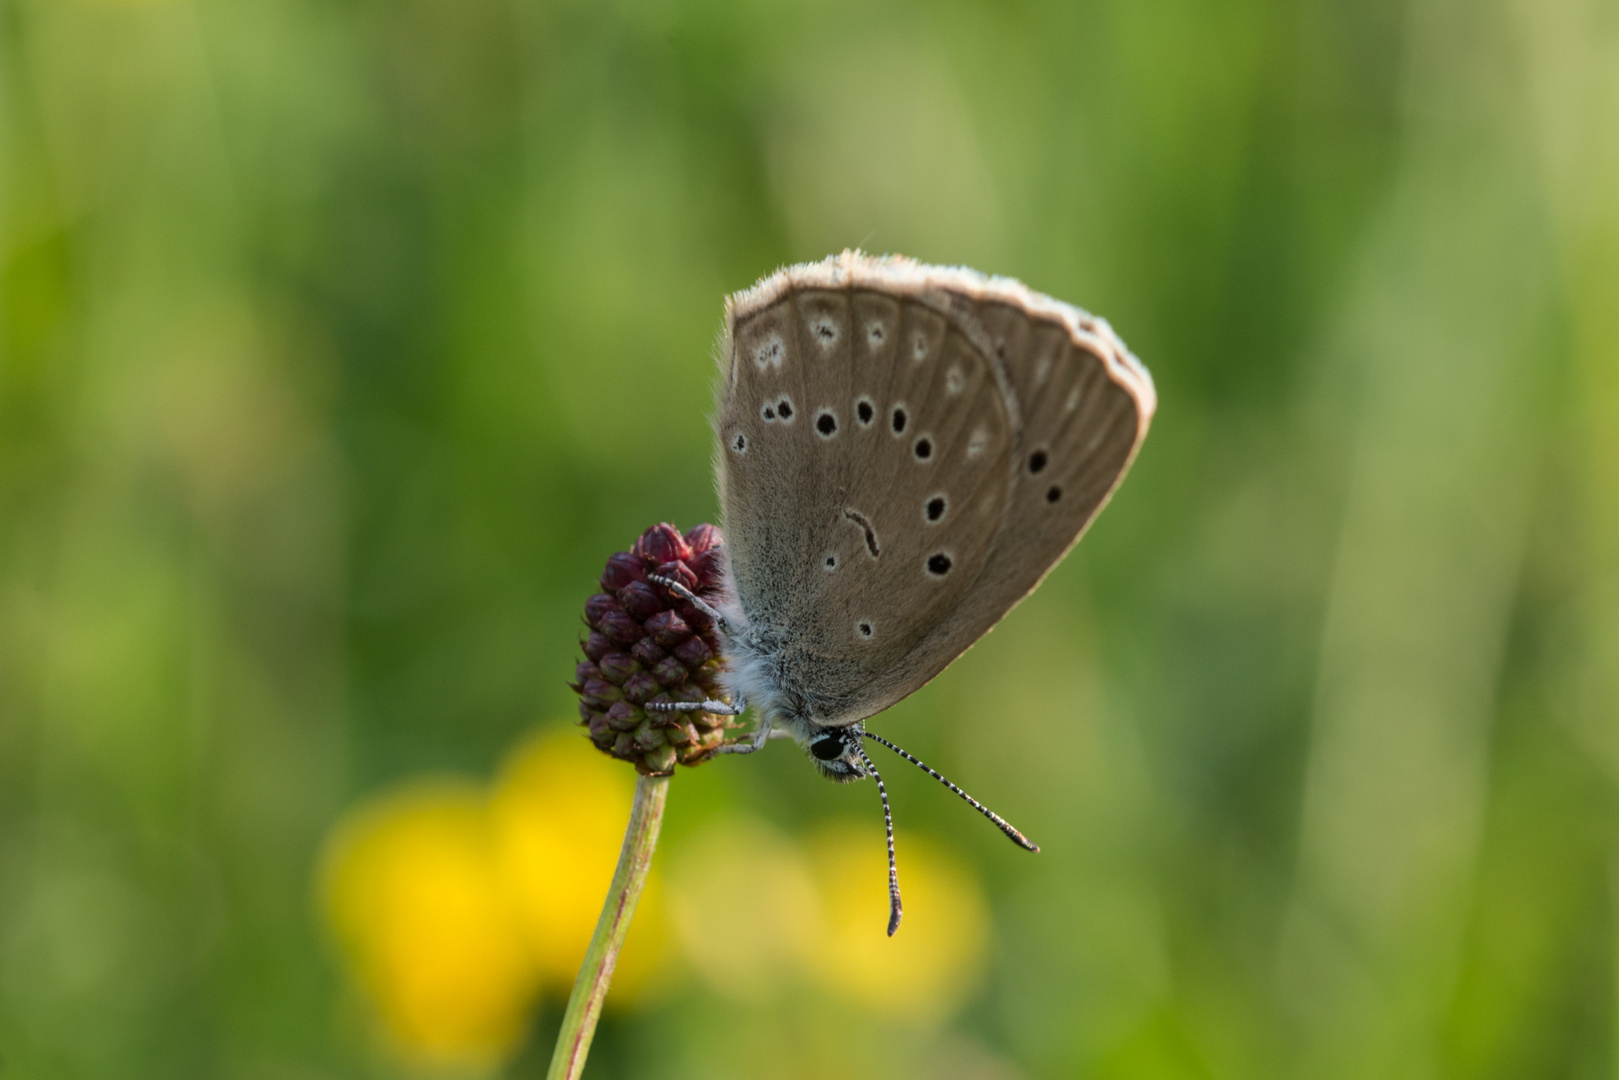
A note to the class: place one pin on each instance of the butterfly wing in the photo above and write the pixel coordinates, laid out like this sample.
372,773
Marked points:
877,421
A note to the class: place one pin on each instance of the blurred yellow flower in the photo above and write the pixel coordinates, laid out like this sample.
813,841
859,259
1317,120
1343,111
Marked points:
455,906
925,970
410,890
743,905
751,907
558,813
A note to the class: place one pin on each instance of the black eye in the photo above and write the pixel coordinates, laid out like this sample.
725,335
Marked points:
1037,461
924,449
827,747
939,565
936,508
863,410
899,421
826,424
785,407
1053,494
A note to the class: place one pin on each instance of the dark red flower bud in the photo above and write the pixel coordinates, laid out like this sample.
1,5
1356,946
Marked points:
693,652
661,544
641,688
708,566
621,627
599,607
622,569
668,629
649,652
625,717
640,600
669,671
597,646
617,667
699,538
599,693
680,572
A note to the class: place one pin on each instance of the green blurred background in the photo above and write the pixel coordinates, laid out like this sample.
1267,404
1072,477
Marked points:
342,340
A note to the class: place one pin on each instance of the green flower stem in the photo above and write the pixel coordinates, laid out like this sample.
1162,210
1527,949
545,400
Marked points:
590,988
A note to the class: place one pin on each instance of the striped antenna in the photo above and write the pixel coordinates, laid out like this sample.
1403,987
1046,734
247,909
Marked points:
895,908
1005,826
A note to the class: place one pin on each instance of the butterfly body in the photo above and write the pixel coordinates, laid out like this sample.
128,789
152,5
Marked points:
903,452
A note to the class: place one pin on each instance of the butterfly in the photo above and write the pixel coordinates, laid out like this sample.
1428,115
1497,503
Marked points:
903,452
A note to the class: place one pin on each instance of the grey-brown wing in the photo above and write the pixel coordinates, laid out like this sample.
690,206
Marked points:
1085,405
858,523
898,510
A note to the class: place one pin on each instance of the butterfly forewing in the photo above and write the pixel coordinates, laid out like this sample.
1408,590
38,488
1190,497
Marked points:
857,524
903,531
948,438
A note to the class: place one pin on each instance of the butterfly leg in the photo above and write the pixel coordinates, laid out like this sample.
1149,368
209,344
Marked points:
751,746
695,601
718,708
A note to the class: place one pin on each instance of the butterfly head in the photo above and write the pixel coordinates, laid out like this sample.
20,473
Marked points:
834,751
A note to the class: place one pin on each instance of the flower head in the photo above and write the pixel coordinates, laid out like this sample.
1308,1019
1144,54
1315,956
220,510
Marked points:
647,645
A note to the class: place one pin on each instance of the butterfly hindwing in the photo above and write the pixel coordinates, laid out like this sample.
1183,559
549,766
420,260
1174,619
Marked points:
1081,428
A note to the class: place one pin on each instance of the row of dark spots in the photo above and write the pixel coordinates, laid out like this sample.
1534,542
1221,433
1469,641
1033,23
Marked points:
827,424
898,421
938,563
1037,464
